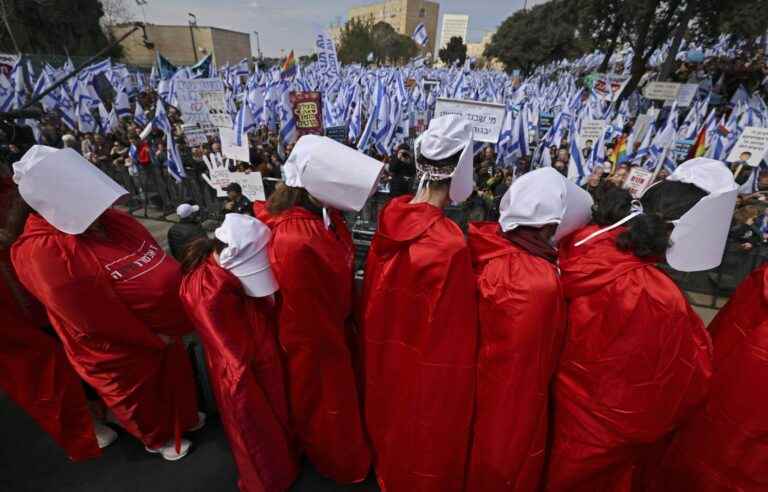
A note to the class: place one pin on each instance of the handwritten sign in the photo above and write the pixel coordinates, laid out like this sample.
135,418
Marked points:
195,135
751,146
637,181
307,112
202,101
486,118
219,177
590,131
662,91
230,149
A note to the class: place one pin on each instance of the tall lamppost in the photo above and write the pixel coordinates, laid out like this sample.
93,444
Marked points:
192,25
258,44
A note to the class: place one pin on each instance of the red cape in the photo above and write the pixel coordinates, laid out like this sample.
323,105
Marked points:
420,349
724,447
238,333
314,269
148,385
635,364
522,323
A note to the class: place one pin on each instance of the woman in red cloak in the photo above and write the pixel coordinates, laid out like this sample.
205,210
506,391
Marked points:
522,324
724,447
312,257
111,294
228,295
637,359
419,316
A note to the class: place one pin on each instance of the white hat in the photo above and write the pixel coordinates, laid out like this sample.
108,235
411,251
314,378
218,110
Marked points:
185,210
447,136
338,176
699,237
543,197
67,190
246,254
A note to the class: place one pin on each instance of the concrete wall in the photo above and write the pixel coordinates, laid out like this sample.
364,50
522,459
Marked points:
230,46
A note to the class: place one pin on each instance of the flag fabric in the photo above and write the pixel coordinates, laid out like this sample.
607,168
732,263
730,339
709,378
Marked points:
699,146
165,69
203,68
122,105
420,35
576,171
244,122
173,158
288,67
138,115
160,121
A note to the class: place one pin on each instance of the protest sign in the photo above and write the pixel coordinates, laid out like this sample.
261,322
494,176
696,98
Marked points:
7,61
608,87
662,91
194,135
686,93
230,149
308,112
202,101
637,181
641,126
338,133
751,146
681,149
590,131
219,177
252,185
486,118
545,123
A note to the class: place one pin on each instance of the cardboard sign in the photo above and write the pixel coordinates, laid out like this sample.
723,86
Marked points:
251,183
590,130
486,118
307,112
203,102
230,149
751,146
637,181
546,121
219,177
195,135
662,91
686,94
608,87
338,133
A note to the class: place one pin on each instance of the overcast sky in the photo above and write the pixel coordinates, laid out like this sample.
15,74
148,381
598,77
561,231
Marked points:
293,24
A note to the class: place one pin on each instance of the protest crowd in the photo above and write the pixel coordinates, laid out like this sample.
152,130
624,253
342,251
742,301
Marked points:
515,327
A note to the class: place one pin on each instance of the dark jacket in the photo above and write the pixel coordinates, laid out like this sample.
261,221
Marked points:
181,234
402,177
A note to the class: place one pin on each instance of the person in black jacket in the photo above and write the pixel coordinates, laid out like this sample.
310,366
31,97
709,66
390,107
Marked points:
186,230
402,169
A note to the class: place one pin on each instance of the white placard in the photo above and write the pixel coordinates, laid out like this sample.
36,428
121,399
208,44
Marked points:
230,149
252,185
662,91
202,101
590,130
637,181
751,146
486,118
219,177
642,125
194,135
686,94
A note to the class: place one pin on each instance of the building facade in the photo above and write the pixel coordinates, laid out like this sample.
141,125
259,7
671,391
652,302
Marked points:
403,16
176,44
454,25
475,50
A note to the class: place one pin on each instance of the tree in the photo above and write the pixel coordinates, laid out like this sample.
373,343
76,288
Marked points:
537,36
360,38
66,27
116,12
356,41
453,51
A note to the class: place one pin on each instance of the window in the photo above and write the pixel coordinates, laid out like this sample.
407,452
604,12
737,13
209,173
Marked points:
422,12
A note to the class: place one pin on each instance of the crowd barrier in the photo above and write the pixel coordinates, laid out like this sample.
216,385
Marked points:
154,194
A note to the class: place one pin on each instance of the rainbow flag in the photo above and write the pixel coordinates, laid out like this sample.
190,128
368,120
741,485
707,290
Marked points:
699,147
288,68
619,153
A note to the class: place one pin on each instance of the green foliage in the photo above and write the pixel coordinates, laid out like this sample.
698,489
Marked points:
359,38
744,19
54,27
453,51
537,36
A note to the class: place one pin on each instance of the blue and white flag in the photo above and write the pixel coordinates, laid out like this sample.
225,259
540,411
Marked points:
576,170
138,115
122,105
160,121
244,123
420,35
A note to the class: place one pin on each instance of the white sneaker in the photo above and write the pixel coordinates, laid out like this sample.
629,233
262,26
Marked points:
104,435
168,451
200,422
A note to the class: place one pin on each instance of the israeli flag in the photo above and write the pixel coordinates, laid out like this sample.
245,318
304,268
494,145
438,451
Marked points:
173,159
420,35
576,172
244,122
138,115
160,120
122,105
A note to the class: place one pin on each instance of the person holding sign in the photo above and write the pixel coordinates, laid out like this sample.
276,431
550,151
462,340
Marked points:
419,317
522,326
112,295
227,293
637,358
312,256
724,447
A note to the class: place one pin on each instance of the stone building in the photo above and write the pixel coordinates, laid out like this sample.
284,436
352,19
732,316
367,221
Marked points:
403,15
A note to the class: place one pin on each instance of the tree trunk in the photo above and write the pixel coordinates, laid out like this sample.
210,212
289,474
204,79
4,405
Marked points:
669,63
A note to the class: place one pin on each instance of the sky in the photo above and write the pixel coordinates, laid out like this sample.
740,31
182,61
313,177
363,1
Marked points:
293,24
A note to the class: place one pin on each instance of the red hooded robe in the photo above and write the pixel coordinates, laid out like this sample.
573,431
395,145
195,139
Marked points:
313,266
238,333
636,362
108,301
724,447
522,323
420,349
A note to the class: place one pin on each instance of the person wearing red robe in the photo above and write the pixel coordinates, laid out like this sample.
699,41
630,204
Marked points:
111,294
227,294
419,316
312,257
724,447
522,324
637,358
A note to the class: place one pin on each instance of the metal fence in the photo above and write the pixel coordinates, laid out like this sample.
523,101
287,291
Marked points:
155,195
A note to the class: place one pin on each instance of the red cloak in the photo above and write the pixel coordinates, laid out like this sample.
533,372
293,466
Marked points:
110,332
238,333
724,447
420,349
635,364
522,323
313,266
